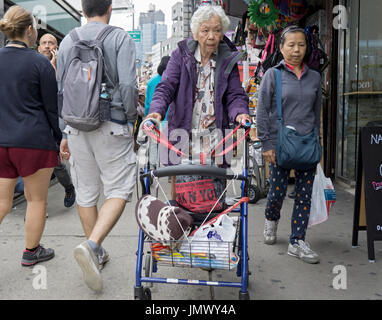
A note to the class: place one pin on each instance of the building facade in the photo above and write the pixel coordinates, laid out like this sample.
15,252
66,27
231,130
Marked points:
153,30
167,46
177,19
55,17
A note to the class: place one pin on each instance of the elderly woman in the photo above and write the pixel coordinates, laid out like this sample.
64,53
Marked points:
301,107
202,81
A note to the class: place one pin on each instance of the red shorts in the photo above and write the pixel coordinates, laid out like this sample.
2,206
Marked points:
22,162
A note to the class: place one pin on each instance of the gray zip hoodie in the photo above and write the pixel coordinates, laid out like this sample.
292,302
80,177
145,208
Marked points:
301,103
119,52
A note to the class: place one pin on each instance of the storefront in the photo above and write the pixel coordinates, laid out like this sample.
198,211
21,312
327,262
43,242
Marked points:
306,14
351,34
56,17
359,83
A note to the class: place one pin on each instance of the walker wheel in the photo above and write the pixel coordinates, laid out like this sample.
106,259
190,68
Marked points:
253,193
243,295
142,293
146,294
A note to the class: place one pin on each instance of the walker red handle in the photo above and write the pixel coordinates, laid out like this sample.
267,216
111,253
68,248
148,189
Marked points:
149,127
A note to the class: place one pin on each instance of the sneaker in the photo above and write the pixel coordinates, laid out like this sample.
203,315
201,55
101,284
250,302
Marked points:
103,258
40,254
89,264
302,251
70,196
270,230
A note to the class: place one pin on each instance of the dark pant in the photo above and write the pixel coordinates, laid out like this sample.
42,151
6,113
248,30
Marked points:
278,188
62,175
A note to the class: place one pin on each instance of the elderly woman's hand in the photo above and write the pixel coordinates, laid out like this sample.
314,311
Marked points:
242,118
154,115
270,156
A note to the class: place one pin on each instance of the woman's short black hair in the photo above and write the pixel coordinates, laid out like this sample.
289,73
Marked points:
292,29
95,8
163,64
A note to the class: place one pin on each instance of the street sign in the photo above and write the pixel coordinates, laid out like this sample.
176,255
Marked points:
136,35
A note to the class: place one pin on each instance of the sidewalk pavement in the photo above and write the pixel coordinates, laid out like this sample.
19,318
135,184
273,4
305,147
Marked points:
275,275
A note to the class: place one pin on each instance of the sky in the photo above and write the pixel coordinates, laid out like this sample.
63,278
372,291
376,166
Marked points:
121,20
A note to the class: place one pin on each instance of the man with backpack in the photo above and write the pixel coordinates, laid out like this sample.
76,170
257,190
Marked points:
97,97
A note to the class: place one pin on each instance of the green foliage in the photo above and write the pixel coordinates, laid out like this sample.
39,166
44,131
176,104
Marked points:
263,13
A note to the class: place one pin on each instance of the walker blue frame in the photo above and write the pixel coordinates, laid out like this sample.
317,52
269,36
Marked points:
144,293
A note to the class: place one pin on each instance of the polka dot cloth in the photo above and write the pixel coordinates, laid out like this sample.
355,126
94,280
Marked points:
278,188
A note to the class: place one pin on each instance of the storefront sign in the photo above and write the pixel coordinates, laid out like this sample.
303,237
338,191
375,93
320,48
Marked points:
370,175
340,21
362,85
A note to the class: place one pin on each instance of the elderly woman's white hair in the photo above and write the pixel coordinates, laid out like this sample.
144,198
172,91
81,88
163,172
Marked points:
204,13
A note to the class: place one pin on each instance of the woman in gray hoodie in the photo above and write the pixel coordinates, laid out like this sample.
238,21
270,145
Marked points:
301,107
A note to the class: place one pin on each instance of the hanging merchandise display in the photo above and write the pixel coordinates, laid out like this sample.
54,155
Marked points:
283,6
283,21
262,24
263,13
317,58
252,89
298,9
295,9
240,34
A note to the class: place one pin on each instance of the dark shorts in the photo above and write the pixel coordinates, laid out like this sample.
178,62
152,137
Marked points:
23,162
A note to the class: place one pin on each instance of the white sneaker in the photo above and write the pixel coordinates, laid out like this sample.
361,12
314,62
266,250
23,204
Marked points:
89,264
302,251
270,231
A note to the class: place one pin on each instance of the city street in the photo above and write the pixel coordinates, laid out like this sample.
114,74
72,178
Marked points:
275,275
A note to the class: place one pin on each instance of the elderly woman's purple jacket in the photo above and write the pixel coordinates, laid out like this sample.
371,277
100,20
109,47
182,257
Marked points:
178,85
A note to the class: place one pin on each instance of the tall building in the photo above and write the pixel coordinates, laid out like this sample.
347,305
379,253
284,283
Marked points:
167,46
153,30
188,10
177,20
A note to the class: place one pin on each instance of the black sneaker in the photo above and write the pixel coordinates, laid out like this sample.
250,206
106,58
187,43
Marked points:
40,254
70,196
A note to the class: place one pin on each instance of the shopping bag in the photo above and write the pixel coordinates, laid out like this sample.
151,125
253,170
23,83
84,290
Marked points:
214,239
323,198
200,194
220,230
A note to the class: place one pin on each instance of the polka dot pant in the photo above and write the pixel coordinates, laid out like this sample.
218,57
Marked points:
278,188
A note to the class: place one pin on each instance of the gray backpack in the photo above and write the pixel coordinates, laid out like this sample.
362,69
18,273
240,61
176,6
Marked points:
79,98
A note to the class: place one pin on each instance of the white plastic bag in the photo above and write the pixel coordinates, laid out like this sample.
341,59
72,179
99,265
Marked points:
323,198
221,230
214,240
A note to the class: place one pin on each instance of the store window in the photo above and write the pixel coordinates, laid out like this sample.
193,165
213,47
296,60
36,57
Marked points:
360,79
52,14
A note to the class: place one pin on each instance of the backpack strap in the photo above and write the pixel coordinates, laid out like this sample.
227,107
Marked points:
75,35
105,32
101,37
278,94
